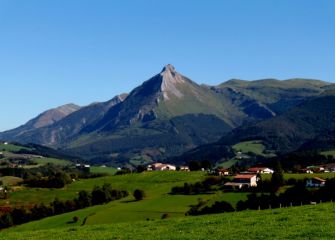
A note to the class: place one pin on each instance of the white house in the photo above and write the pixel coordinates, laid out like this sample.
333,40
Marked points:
315,182
245,180
184,168
222,171
264,170
161,167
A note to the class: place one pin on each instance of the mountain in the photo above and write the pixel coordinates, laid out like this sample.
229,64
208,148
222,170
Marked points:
66,128
308,126
262,99
45,119
166,116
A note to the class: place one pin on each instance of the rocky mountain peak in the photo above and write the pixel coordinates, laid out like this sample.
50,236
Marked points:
171,81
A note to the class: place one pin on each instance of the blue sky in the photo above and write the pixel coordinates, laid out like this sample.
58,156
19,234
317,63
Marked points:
80,51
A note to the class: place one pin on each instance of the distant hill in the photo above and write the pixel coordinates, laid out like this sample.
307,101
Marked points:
308,126
45,119
166,116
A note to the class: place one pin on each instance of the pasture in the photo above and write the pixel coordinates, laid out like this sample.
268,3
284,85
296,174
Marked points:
306,222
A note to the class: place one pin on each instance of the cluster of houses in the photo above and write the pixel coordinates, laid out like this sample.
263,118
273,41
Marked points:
330,167
245,179
166,167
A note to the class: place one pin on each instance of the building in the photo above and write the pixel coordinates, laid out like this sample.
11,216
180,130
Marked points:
184,168
243,181
263,170
306,170
161,167
222,171
315,182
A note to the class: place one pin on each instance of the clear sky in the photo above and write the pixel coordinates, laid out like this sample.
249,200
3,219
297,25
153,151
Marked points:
80,51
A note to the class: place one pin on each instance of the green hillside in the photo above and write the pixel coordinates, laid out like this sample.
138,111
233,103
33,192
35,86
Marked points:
307,222
157,186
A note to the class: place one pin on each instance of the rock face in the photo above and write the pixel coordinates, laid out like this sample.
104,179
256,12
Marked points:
170,81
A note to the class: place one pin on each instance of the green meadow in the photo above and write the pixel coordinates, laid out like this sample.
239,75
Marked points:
158,201
301,176
306,222
256,147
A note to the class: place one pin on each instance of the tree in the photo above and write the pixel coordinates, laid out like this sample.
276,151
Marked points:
194,165
139,194
277,179
84,199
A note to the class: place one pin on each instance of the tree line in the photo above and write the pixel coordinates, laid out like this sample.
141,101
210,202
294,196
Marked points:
99,195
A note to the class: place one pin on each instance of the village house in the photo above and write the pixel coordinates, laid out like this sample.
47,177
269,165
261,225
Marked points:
222,171
315,182
184,168
306,170
316,169
242,181
161,167
263,170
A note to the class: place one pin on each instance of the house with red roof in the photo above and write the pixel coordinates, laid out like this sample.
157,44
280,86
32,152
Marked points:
315,182
243,181
263,170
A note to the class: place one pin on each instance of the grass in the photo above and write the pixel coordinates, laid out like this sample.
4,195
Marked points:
328,153
158,201
10,181
301,176
255,147
11,147
307,222
44,161
107,170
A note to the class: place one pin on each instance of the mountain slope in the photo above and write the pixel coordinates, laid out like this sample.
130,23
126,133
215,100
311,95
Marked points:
309,125
45,119
61,132
168,115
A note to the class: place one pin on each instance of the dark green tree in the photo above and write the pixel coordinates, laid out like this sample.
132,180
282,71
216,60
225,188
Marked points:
139,194
277,179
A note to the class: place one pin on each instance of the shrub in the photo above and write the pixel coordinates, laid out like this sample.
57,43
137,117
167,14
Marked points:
139,194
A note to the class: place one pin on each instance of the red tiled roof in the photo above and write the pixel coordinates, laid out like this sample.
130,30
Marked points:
255,169
244,176
319,179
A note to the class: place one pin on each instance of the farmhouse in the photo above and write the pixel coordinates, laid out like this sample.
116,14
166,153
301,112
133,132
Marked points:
242,181
222,171
264,170
306,170
184,168
315,182
161,167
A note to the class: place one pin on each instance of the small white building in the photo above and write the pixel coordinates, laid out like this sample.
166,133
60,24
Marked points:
184,168
263,170
244,180
161,167
315,182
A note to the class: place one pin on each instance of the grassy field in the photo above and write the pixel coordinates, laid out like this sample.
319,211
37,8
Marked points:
307,222
43,161
158,201
255,147
301,176
10,181
107,170
329,153
11,147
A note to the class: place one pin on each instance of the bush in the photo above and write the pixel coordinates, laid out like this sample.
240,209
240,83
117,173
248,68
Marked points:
75,219
139,194
165,216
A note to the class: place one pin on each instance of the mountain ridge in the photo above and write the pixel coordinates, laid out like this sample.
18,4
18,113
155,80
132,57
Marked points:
168,114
